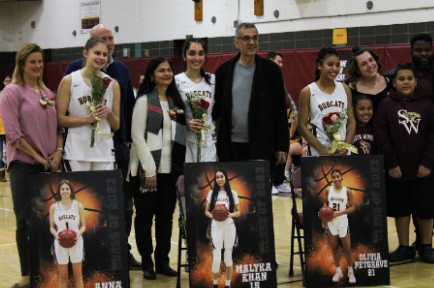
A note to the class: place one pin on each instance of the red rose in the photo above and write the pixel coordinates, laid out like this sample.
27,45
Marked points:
204,104
172,115
106,82
327,120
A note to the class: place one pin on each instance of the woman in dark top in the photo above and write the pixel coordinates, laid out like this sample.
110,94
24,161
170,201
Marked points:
365,76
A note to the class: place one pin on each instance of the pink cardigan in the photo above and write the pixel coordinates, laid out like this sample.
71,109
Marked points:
23,116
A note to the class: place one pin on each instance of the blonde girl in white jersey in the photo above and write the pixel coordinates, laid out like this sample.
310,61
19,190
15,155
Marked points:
334,96
196,80
340,198
72,113
68,209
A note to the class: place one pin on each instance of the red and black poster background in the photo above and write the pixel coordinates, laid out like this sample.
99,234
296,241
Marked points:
364,175
254,258
105,248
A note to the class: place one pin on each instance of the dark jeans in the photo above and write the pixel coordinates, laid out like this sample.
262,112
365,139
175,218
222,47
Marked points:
279,174
240,152
18,171
160,203
122,155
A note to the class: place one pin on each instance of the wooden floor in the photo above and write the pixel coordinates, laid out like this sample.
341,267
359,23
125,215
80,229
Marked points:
412,275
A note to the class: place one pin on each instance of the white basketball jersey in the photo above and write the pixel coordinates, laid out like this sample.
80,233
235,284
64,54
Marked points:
186,88
338,201
222,198
77,145
70,216
320,105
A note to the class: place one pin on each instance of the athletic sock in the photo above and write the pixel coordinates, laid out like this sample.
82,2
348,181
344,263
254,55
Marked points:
350,269
228,283
215,282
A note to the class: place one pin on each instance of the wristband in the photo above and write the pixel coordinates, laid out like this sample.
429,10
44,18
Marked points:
60,149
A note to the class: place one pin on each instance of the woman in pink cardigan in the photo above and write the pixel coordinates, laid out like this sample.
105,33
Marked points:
32,138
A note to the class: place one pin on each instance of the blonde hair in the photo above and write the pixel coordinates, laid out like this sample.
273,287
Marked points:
23,52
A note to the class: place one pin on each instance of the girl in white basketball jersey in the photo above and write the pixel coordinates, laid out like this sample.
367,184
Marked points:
223,234
72,113
340,198
195,80
67,209
321,97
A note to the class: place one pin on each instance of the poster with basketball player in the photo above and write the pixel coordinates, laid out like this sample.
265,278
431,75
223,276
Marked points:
230,225
345,222
77,230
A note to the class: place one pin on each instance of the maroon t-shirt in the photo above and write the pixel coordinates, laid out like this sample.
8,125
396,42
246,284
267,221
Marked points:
364,140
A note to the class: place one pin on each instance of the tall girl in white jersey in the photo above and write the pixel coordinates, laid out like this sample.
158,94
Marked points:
72,113
67,210
223,234
196,81
340,198
321,97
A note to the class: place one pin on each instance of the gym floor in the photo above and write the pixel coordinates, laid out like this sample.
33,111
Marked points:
412,275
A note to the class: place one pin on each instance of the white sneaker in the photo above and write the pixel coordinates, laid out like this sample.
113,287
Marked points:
274,191
338,276
284,188
351,277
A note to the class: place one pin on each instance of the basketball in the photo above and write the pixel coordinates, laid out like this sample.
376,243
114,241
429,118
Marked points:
67,238
220,212
326,213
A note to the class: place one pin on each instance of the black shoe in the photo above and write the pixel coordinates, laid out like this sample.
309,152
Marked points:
416,245
167,271
133,263
149,274
426,254
215,286
226,286
402,253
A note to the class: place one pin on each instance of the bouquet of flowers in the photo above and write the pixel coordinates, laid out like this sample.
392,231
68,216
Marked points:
199,108
99,86
332,122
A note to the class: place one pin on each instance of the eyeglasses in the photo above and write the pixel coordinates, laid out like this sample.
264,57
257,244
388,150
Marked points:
248,38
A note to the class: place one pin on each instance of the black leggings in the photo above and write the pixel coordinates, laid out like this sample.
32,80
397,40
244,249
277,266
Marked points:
18,171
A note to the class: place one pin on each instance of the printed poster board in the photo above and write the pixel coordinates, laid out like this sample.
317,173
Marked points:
253,256
364,176
105,261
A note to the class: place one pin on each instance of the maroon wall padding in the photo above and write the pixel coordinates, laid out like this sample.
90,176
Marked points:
298,65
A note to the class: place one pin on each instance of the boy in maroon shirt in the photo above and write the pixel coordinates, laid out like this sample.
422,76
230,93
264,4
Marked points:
404,134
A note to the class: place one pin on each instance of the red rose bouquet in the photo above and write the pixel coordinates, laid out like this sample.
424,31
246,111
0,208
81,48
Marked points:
99,87
199,108
332,122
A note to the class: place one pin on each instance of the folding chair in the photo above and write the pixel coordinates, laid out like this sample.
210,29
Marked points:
297,225
182,223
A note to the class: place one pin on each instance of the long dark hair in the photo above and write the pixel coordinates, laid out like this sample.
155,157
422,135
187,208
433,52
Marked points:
71,188
148,86
185,48
353,71
322,55
216,190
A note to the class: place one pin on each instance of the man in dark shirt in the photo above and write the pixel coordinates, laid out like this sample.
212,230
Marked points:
421,53
250,106
118,71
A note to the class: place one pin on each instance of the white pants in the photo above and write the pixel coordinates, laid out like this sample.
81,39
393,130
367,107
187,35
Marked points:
223,234
74,253
72,165
208,153
338,227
